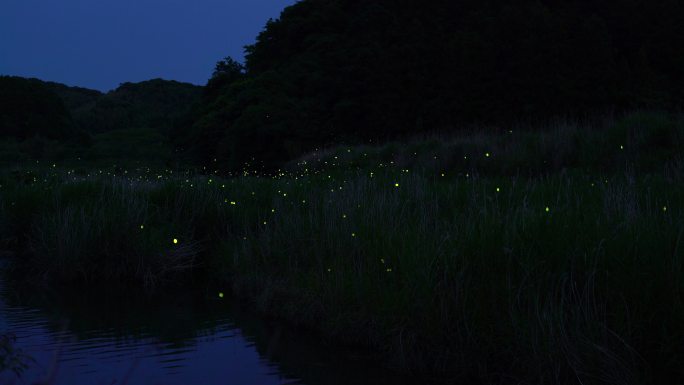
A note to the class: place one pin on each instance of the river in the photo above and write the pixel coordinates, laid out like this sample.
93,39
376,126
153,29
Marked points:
80,338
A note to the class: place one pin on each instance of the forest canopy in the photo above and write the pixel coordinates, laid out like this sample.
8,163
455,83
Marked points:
329,71
29,108
40,120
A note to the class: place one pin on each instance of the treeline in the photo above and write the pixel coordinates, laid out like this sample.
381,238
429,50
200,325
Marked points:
329,71
46,120
349,71
29,108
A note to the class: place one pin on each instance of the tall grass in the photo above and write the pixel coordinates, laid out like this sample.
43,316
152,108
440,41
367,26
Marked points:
574,276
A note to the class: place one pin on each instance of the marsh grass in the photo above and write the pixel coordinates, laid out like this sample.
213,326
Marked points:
644,142
571,276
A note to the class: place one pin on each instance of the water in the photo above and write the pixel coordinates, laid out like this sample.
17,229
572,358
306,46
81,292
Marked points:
77,338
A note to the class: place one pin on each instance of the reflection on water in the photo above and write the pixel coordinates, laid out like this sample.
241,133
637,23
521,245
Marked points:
181,339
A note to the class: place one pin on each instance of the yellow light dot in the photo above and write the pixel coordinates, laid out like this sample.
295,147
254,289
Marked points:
344,215
142,227
233,203
220,295
498,189
272,210
664,208
442,174
175,240
264,222
353,234
622,147
487,154
389,270
396,185
547,209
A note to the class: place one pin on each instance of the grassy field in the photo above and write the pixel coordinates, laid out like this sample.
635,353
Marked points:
536,257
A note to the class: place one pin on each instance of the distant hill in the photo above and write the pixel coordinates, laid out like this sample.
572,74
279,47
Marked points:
29,108
153,104
76,99
40,120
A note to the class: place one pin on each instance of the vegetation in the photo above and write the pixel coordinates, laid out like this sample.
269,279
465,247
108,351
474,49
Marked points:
53,122
529,230
11,358
347,71
483,269
155,104
28,108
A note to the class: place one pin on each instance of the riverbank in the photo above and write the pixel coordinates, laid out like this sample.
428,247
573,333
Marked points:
459,273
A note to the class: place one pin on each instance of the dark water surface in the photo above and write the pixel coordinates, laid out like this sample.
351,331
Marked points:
81,338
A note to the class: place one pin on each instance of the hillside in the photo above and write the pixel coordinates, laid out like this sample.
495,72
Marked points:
349,70
154,104
48,120
30,108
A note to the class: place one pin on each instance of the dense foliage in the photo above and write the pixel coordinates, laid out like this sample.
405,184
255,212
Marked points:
47,120
29,108
347,70
76,99
151,104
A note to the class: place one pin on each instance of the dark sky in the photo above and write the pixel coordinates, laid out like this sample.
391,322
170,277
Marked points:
102,43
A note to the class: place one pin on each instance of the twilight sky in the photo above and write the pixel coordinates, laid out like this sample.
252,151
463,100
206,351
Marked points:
102,43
